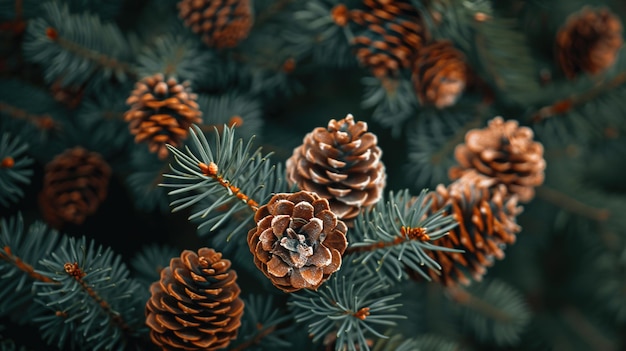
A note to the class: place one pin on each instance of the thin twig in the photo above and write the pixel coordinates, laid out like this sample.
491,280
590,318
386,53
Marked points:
572,205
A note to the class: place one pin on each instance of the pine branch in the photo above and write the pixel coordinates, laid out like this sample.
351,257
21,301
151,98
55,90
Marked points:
76,48
351,305
111,309
396,233
570,204
494,311
233,176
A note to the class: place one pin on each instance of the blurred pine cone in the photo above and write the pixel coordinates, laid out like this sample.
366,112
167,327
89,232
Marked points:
506,152
75,183
161,112
486,214
589,41
298,240
221,23
439,74
392,32
195,305
340,163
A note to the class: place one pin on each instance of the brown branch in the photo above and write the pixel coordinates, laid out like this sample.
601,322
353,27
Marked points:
406,234
43,122
97,57
572,205
256,339
565,105
74,270
23,266
465,298
211,170
586,330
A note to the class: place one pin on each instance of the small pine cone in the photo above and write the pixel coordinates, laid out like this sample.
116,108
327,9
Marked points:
196,304
221,23
340,163
392,33
440,74
486,216
75,184
161,112
506,152
589,41
298,240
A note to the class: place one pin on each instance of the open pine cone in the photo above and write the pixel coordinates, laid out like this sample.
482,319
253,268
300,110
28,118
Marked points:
75,184
506,152
195,305
589,41
486,214
161,112
391,33
221,23
439,74
298,241
340,163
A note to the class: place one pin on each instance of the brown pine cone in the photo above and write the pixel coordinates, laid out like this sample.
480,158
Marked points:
221,23
195,305
506,152
75,184
439,74
589,41
486,216
340,163
392,32
298,240
161,112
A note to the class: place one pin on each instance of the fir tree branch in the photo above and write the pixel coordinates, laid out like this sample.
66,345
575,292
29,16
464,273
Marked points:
263,332
99,58
587,331
565,105
23,266
74,271
406,234
275,7
212,170
43,121
465,298
570,204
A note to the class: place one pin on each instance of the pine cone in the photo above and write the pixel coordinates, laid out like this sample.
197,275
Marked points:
439,74
161,112
340,163
486,216
75,184
221,23
298,240
589,41
195,305
505,151
392,33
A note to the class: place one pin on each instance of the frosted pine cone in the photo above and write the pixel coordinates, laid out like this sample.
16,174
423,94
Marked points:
340,163
506,152
589,41
298,241
440,74
221,23
195,305
75,184
161,112
486,216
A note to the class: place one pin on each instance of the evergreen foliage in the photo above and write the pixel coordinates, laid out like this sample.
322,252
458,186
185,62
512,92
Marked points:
68,67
